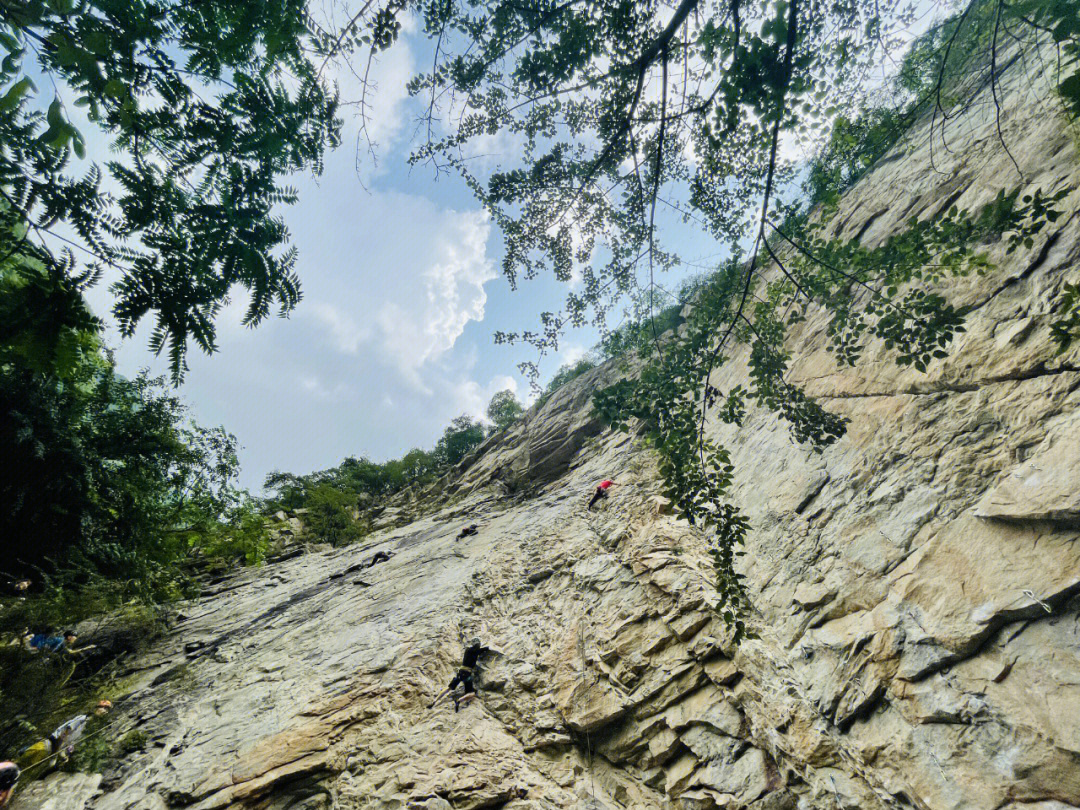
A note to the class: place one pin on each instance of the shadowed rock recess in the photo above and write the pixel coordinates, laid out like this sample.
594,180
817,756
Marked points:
916,588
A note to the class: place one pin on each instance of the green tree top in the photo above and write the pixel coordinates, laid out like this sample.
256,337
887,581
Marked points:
503,410
208,105
462,435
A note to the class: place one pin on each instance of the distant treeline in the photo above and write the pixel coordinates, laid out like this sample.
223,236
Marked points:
336,500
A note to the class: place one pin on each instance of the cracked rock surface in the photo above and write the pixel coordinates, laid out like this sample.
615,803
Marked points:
916,588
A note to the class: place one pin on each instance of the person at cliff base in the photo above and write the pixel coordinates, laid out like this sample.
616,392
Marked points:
61,741
463,684
9,775
55,644
601,492
41,641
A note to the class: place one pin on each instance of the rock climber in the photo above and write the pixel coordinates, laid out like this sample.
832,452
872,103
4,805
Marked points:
601,491
61,741
9,775
464,681
380,556
468,530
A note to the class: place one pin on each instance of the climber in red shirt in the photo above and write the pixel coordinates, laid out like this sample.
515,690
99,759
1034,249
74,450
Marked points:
601,491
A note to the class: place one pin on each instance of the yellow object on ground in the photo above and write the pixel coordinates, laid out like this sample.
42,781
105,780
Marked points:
34,754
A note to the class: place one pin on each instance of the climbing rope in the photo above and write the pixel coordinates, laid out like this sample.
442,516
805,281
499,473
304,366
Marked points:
1031,595
588,739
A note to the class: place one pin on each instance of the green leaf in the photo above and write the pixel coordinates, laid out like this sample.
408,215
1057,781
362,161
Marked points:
55,114
12,45
16,93
116,89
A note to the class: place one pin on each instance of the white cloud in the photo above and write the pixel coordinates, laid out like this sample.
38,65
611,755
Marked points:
388,99
383,349
571,353
347,333
426,323
455,287
374,119
314,387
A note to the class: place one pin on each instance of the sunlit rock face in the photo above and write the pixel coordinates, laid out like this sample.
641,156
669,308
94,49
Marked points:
915,588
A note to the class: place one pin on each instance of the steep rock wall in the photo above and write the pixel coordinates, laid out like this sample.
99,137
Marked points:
915,587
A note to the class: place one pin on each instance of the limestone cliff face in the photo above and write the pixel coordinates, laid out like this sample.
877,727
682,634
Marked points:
915,587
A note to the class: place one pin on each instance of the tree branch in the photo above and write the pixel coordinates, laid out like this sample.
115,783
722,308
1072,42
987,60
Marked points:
789,53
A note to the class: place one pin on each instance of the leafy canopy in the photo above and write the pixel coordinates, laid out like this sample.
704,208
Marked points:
458,440
338,499
503,410
112,491
45,325
106,478
207,106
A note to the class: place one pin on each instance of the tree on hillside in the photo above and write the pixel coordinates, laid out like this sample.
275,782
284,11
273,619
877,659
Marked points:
332,515
208,106
503,410
107,477
566,373
414,468
287,490
458,440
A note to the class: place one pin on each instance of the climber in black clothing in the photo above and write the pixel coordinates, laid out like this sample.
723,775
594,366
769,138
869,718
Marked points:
465,676
473,653
601,492
464,679
379,556
468,530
